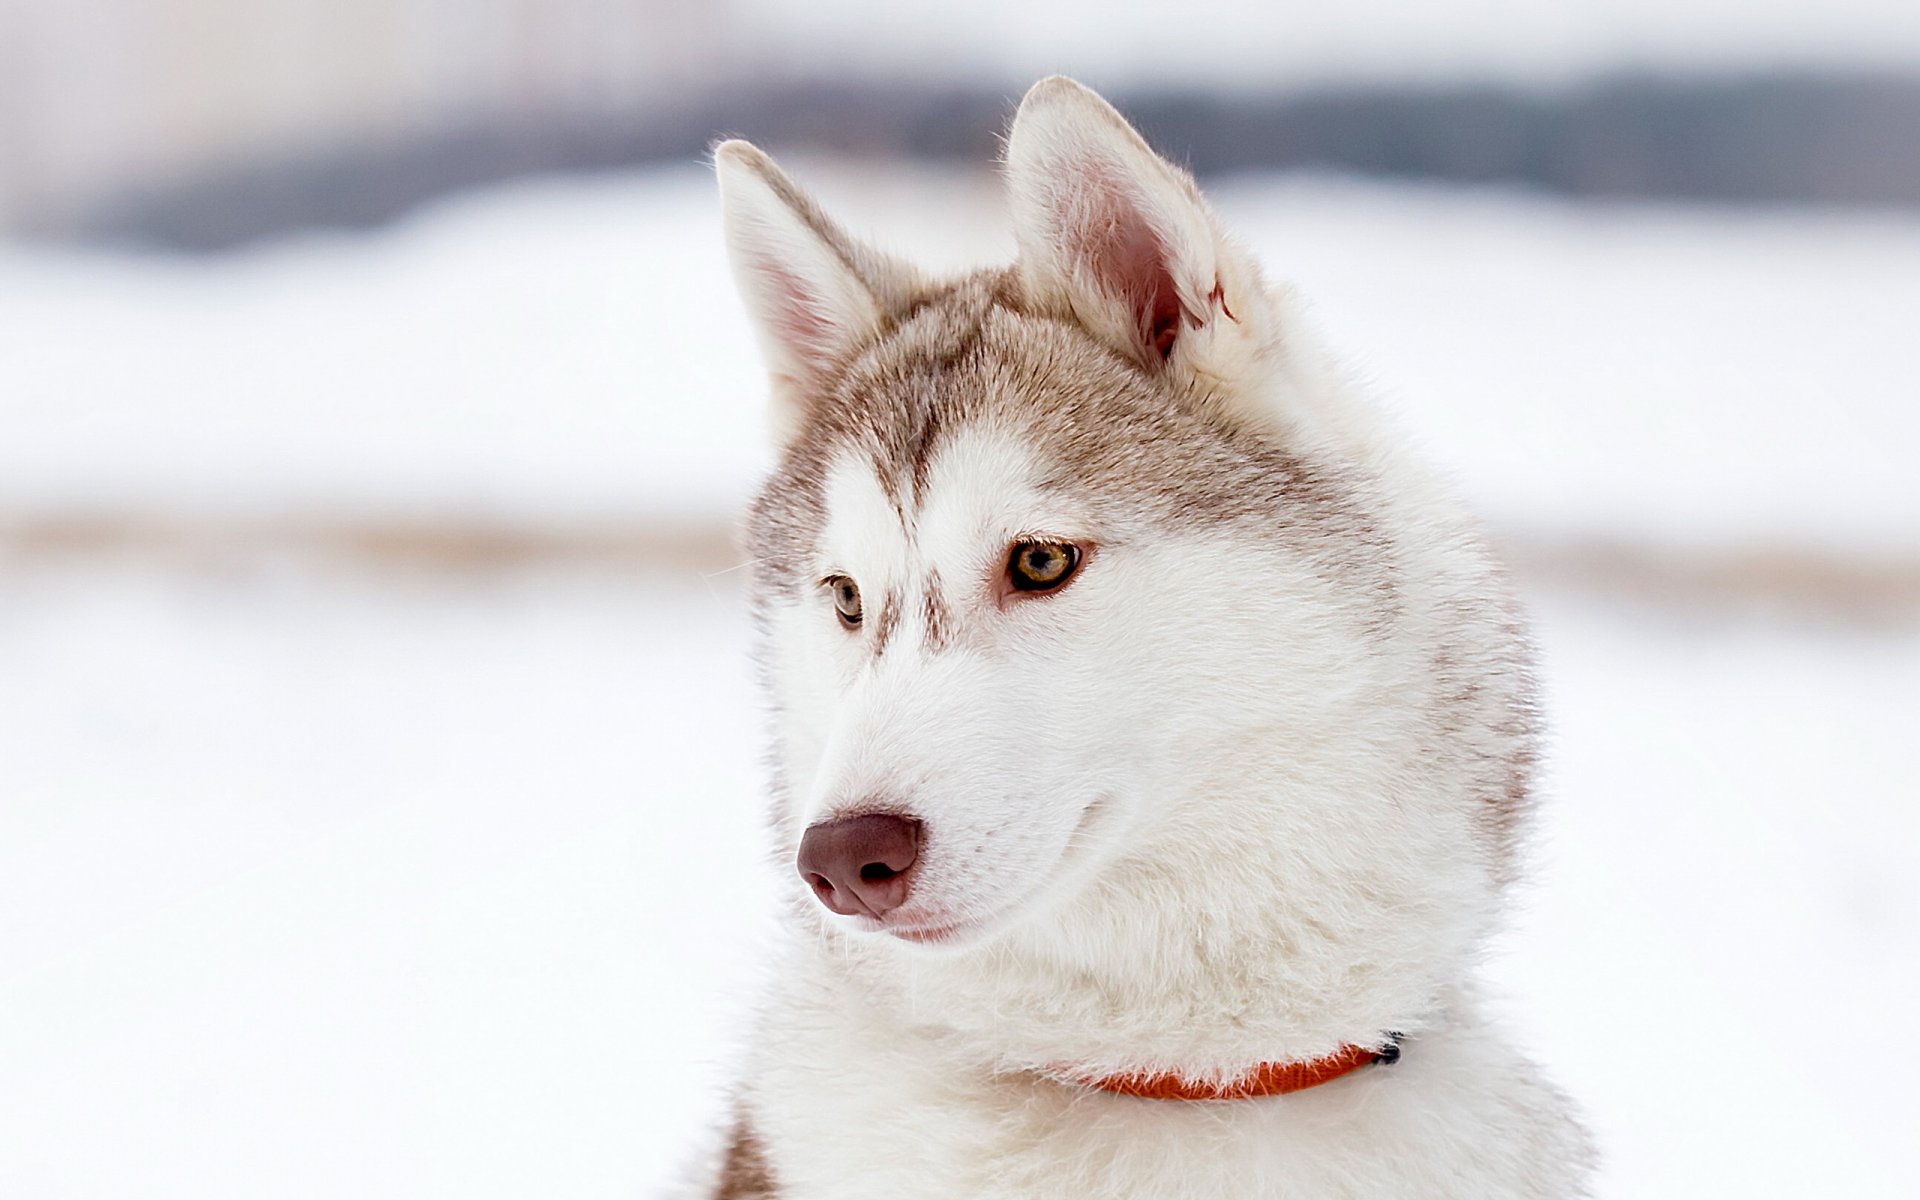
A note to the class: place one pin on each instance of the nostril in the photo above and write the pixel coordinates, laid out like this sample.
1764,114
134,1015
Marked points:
861,865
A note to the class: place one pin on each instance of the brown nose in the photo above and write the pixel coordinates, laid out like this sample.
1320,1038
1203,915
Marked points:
858,866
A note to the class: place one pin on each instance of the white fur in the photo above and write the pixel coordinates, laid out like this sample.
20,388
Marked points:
1194,813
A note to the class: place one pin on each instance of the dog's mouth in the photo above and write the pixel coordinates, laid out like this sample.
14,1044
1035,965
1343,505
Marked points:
929,930
1084,831
927,935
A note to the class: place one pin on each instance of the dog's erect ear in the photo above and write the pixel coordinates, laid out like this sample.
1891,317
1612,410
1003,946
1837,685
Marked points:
813,292
1113,235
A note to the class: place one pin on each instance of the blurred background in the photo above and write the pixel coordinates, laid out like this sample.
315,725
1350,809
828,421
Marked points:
379,758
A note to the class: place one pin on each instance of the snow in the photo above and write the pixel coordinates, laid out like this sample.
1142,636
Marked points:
322,887
1727,915
325,880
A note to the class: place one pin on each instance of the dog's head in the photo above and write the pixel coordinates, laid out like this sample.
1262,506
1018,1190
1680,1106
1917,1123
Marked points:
1095,612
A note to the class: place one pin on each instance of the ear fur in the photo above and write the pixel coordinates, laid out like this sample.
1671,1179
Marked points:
813,292
1117,238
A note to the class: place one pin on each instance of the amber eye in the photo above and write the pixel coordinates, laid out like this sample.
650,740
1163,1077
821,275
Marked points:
846,599
1041,566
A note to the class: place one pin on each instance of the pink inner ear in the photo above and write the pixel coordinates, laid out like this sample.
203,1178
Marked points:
796,313
1103,230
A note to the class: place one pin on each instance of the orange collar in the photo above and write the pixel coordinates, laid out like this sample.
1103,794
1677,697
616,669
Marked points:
1265,1079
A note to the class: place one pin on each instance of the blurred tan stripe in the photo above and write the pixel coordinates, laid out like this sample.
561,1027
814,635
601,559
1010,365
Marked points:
370,542
1809,579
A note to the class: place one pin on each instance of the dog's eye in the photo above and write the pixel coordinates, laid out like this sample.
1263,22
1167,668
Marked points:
846,599
1041,566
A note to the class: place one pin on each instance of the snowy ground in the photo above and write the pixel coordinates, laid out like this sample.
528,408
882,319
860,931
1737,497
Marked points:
324,879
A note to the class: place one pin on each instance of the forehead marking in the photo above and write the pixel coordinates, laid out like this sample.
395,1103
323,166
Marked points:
899,509
937,619
920,457
929,381
887,622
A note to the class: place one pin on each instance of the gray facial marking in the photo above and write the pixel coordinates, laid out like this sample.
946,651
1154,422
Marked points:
886,621
938,620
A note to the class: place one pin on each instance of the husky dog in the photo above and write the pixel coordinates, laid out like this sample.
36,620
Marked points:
1152,735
